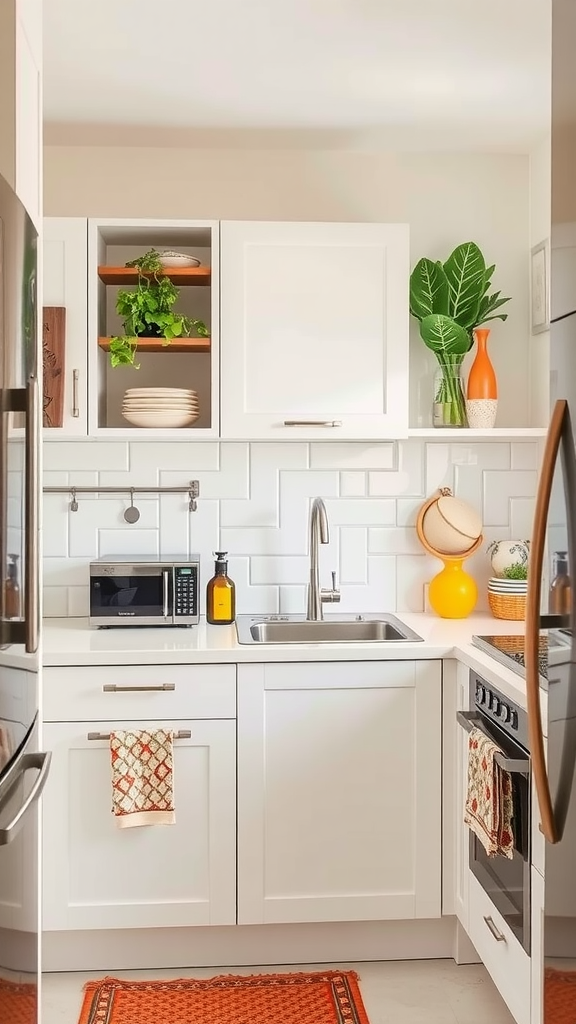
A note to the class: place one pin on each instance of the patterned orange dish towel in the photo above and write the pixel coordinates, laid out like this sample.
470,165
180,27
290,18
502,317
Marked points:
142,777
489,805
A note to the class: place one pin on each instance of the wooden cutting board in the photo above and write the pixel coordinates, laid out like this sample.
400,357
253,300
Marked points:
53,342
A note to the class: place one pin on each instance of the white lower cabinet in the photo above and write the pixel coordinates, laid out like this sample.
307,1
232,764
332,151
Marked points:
97,875
504,958
339,791
462,859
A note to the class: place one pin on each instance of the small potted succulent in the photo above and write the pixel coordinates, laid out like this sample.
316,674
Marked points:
147,311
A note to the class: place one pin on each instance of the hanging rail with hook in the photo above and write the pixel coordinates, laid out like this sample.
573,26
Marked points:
192,490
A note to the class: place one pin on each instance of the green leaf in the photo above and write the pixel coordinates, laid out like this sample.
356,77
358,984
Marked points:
428,289
176,328
444,336
465,269
488,305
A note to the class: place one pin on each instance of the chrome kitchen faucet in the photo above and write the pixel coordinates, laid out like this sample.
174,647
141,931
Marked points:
318,526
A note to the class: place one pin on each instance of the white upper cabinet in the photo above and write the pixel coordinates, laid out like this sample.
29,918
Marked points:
65,303
314,330
21,101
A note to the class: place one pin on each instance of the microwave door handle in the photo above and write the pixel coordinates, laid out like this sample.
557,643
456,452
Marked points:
165,588
558,431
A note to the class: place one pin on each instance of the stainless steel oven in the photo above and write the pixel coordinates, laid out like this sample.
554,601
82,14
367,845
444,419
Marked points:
506,881
145,592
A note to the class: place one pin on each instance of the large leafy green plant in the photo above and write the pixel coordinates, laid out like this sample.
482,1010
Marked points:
450,300
147,311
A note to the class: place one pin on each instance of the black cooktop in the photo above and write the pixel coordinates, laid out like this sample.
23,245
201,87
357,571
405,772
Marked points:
509,651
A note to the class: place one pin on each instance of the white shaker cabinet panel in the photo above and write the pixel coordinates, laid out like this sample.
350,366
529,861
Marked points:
339,776
97,875
65,283
314,330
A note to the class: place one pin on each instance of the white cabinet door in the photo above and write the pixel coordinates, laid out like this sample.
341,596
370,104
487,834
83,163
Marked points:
314,330
339,773
65,270
97,875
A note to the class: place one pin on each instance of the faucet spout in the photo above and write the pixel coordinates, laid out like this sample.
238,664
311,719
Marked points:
319,534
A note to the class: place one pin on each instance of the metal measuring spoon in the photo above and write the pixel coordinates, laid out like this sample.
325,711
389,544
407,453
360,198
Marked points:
132,514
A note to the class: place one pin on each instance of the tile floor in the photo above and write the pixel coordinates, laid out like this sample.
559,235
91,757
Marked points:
394,992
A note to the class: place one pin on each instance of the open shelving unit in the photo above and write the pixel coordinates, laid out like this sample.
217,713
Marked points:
193,362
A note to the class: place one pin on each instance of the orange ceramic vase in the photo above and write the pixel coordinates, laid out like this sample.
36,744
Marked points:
482,379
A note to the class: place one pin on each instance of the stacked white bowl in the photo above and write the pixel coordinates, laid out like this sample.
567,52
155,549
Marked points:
500,585
160,407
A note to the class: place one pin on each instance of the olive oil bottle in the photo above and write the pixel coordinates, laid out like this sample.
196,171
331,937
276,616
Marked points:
220,594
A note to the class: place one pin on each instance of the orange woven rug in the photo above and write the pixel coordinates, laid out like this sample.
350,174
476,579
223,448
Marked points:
322,997
559,996
17,1002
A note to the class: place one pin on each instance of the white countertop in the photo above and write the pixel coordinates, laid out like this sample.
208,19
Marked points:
74,642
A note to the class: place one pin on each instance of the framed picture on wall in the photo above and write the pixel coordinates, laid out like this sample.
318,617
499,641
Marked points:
540,288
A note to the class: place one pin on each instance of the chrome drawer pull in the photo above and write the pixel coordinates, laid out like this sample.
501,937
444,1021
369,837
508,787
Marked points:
495,931
182,734
75,402
113,688
312,423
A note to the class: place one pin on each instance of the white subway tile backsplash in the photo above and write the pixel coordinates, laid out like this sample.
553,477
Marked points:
405,479
353,556
499,488
352,455
399,540
255,501
79,457
353,484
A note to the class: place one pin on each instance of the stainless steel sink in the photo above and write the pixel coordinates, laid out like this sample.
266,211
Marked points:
295,629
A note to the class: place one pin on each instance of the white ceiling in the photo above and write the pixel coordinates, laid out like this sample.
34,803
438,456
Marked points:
467,73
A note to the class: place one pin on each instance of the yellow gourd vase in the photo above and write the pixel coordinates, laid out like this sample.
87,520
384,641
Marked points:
453,592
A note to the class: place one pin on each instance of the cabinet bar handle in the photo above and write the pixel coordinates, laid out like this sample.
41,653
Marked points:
75,404
312,423
182,734
114,688
495,931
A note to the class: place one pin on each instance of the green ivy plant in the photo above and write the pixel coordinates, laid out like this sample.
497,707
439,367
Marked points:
450,300
147,311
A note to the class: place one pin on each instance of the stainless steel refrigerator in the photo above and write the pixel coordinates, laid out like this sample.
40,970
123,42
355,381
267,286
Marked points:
551,604
23,768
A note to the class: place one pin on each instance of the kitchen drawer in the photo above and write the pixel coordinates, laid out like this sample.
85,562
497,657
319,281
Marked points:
505,960
195,691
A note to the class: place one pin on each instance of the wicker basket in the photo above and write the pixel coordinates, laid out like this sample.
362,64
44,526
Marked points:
507,606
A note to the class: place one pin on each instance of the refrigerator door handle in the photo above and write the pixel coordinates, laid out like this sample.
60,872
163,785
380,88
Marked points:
40,761
31,550
559,437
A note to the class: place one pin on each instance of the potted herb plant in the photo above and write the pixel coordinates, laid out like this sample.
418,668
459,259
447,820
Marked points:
450,301
147,311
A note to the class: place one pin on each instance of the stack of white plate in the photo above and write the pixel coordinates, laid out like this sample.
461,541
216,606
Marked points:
160,407
500,585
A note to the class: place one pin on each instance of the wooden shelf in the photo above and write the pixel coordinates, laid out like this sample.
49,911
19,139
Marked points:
155,345
179,275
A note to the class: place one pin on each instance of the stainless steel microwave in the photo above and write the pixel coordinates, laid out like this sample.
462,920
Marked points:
145,591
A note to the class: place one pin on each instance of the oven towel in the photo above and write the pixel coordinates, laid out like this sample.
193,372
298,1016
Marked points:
142,777
489,804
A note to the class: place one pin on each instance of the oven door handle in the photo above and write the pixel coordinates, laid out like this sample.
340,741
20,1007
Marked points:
515,765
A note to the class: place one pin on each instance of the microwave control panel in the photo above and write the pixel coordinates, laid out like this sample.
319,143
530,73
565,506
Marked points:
185,591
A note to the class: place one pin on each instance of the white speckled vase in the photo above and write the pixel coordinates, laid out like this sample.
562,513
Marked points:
481,412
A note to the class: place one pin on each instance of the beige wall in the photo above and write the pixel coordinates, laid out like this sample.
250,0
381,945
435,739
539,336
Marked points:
446,198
